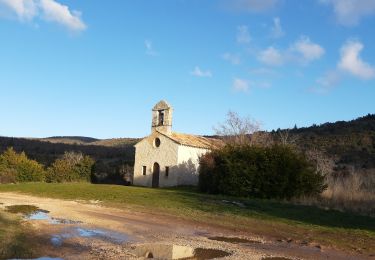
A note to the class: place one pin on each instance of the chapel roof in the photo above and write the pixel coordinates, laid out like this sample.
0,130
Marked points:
194,140
162,105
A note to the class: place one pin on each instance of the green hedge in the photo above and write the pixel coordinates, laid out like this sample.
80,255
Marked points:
263,172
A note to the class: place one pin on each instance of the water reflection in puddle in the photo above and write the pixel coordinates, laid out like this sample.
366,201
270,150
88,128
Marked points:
31,212
275,258
38,215
48,258
76,232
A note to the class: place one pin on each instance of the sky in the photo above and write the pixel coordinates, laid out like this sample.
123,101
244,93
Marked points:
96,68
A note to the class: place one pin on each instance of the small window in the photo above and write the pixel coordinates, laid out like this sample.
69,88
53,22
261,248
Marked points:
166,172
161,117
144,170
157,142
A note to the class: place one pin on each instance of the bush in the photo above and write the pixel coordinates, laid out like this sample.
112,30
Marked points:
16,167
263,172
7,175
71,167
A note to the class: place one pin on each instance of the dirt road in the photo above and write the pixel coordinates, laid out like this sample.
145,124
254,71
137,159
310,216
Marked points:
88,230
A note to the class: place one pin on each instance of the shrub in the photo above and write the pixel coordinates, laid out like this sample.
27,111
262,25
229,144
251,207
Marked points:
263,172
7,175
70,168
16,167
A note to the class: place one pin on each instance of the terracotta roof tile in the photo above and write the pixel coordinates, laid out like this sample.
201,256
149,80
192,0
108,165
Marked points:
195,140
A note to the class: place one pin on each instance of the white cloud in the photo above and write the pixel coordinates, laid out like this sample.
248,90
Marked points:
200,73
350,12
310,51
250,5
277,30
302,51
352,62
243,35
241,85
150,49
263,71
325,83
24,9
48,10
271,56
59,13
232,58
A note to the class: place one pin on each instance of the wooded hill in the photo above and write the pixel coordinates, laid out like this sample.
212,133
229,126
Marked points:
113,157
348,144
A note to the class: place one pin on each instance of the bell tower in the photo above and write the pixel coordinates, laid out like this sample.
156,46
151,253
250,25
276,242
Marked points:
162,118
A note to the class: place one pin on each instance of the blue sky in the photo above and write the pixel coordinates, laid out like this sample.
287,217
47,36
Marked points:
96,68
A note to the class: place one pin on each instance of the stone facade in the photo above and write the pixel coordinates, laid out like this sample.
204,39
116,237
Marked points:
167,159
182,162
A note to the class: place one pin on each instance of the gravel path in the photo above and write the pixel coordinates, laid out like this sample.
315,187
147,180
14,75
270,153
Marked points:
87,230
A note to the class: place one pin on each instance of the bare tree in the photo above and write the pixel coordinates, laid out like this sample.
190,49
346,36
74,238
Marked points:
72,158
237,130
286,138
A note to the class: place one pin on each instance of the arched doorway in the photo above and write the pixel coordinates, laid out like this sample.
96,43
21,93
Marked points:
155,175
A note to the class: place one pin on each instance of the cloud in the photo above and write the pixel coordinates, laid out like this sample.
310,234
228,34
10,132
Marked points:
200,73
277,30
352,62
350,12
59,13
310,51
48,10
325,83
252,6
232,58
150,49
243,35
263,71
240,85
24,9
301,51
271,56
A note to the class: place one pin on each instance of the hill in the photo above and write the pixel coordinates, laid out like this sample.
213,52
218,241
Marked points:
349,143
340,146
114,157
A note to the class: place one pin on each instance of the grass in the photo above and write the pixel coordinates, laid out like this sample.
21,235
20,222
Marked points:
271,219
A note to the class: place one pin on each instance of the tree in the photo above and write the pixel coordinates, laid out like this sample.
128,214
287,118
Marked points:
236,130
286,138
17,167
71,167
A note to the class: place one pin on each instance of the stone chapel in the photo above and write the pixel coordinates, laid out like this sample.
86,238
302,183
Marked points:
165,158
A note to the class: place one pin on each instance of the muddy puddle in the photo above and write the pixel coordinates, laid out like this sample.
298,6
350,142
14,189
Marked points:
275,258
24,209
31,212
42,258
57,240
70,228
208,253
161,251
235,240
